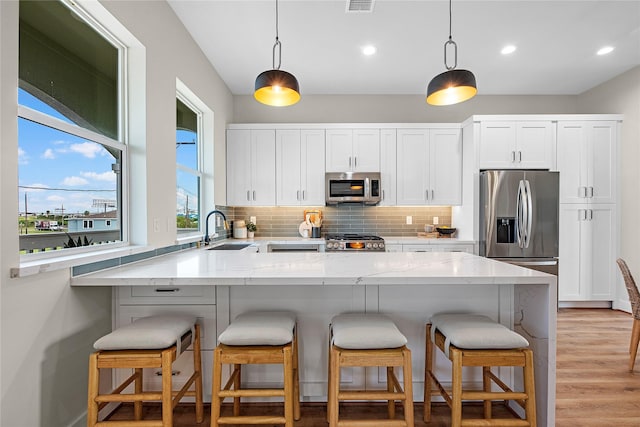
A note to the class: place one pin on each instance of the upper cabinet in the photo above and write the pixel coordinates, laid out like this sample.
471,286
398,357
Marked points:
517,145
300,167
251,167
388,167
429,167
587,161
353,150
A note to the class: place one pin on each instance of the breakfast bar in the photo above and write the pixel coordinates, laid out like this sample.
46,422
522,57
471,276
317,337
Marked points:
408,287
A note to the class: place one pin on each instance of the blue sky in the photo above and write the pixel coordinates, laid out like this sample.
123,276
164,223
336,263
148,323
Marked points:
62,173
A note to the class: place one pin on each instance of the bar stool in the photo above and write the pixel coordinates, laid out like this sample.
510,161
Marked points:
475,340
358,339
149,342
257,338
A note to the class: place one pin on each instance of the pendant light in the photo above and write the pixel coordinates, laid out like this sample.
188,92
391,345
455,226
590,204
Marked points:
452,86
277,87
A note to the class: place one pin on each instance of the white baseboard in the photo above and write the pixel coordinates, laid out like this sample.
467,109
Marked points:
584,304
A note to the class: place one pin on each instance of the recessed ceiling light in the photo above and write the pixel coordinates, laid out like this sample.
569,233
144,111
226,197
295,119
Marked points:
369,50
508,49
605,50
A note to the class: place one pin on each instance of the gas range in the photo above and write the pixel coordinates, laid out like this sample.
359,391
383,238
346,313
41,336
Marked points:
354,242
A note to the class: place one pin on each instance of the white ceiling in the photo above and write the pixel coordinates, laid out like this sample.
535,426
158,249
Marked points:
321,43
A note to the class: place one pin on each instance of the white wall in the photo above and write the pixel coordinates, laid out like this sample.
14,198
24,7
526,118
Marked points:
621,95
47,328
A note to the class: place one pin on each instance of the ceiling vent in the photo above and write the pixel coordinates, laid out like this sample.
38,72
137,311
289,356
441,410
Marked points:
360,5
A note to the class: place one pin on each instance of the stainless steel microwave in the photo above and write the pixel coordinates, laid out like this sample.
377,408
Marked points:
352,187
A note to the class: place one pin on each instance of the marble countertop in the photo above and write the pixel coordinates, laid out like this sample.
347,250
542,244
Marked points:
205,267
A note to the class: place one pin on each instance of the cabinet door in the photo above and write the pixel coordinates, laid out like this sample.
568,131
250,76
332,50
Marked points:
288,168
535,145
366,150
445,167
238,167
497,145
601,269
572,161
388,166
571,244
602,170
412,170
312,173
263,167
339,150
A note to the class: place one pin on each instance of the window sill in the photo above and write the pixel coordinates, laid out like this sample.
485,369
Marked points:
43,265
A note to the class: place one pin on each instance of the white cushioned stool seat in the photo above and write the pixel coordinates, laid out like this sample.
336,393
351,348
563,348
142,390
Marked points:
366,331
148,333
260,328
473,331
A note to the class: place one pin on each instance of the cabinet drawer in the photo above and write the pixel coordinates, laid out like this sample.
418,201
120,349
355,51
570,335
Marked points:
167,295
182,369
206,315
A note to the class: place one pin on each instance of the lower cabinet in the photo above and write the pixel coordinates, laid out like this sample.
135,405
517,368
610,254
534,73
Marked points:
426,247
587,240
133,302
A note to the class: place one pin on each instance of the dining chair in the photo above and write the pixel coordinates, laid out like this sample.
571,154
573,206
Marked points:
634,299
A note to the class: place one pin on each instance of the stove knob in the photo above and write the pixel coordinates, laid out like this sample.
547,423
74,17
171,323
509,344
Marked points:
381,245
368,245
375,246
329,245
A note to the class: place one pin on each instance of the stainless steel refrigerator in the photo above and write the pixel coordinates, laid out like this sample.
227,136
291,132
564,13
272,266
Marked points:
519,218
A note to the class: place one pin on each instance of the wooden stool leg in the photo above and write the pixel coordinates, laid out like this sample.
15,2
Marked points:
427,375
334,387
633,347
530,388
288,385
391,404
486,386
93,389
137,405
408,387
296,379
167,389
216,402
237,384
456,375
197,368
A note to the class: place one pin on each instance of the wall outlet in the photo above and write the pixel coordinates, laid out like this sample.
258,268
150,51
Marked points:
435,220
409,220
253,219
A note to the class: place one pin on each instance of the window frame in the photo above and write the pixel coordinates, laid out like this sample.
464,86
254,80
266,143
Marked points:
182,97
119,144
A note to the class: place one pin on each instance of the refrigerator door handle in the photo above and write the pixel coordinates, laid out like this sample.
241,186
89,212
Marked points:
529,211
520,208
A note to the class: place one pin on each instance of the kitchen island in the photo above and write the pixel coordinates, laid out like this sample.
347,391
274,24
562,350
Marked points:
409,287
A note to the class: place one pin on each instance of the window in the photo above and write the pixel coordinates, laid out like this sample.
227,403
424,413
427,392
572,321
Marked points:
71,148
188,166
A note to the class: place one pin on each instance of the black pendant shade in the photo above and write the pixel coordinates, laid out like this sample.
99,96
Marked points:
451,87
277,88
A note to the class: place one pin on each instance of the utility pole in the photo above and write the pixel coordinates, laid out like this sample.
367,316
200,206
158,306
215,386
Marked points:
26,215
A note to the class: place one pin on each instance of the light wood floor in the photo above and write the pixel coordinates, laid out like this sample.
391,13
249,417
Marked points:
594,386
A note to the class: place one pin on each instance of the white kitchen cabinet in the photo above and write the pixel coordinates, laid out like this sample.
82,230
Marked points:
432,247
134,302
251,167
300,167
517,145
587,161
587,252
352,150
429,167
388,167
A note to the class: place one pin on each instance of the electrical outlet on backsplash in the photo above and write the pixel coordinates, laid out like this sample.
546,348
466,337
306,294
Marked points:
379,220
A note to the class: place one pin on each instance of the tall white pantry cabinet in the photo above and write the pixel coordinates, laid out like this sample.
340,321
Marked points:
587,158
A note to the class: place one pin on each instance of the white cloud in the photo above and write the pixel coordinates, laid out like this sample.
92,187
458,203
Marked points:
55,198
104,176
87,149
34,188
48,154
23,157
74,181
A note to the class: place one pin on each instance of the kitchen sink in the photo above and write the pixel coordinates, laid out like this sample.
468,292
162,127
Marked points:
230,247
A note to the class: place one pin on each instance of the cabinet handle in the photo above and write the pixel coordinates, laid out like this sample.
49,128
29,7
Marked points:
383,194
248,195
298,195
173,373
426,194
513,157
254,195
304,195
355,162
433,194
590,214
582,192
164,290
582,213
591,192
519,156
349,161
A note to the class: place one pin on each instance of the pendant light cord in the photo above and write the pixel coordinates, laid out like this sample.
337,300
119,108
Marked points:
450,42
277,45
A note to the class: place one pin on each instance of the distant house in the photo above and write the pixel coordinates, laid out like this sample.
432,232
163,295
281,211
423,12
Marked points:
94,222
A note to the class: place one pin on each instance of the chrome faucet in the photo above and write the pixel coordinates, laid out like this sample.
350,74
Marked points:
206,227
